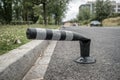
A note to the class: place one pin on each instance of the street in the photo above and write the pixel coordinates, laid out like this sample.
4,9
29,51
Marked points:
105,48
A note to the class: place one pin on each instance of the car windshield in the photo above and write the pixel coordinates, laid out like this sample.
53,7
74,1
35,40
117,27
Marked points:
95,22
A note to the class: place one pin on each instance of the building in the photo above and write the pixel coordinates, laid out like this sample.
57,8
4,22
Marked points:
91,6
116,7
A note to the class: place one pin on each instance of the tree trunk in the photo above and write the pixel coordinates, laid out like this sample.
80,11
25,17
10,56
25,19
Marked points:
44,14
56,19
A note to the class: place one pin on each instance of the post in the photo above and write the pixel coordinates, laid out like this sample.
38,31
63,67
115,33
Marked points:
48,34
85,53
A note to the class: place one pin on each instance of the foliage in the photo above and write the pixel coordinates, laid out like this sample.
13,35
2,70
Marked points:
84,13
31,10
17,10
114,15
6,10
57,9
8,35
84,16
103,9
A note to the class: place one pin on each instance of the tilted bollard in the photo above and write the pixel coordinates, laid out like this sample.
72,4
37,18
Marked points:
48,34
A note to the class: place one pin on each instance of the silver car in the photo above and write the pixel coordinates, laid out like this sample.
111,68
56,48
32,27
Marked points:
95,23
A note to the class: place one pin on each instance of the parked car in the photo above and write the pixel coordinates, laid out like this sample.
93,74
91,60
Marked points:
95,23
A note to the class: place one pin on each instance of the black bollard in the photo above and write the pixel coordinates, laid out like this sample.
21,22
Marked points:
85,53
63,35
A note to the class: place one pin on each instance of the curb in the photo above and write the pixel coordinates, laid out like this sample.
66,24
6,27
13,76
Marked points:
38,70
16,63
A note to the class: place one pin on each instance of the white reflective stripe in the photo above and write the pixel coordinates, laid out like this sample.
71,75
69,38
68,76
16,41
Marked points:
69,35
41,33
56,35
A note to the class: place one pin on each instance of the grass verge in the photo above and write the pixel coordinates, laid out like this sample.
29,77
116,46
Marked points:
10,33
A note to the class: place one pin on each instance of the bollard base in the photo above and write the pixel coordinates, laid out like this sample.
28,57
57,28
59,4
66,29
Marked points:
85,60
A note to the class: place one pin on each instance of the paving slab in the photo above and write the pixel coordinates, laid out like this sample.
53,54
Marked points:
38,70
105,48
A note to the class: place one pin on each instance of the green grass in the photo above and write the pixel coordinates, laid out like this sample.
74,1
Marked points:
9,33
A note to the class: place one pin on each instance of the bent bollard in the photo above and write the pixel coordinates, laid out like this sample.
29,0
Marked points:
63,35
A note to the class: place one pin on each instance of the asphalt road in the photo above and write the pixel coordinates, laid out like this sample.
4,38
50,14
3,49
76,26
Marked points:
105,48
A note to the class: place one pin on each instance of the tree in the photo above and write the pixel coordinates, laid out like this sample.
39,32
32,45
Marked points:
27,10
53,8
38,11
57,8
17,10
44,3
84,13
103,9
30,10
6,10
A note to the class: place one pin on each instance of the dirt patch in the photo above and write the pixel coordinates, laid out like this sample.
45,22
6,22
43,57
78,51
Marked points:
111,21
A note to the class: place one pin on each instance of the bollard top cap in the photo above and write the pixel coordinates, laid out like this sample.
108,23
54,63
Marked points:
31,33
